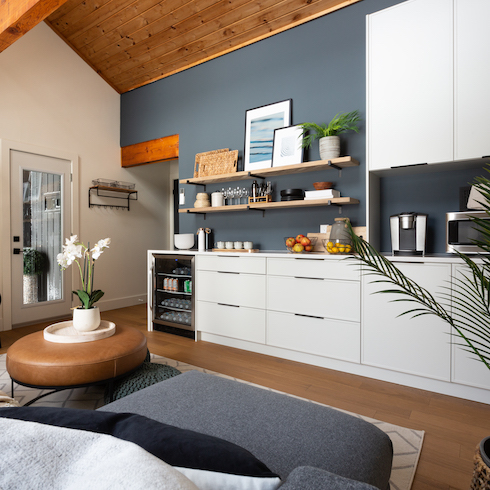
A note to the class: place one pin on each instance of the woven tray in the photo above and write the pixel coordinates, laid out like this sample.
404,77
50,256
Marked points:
215,162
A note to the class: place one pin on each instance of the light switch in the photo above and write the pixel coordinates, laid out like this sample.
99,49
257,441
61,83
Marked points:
182,197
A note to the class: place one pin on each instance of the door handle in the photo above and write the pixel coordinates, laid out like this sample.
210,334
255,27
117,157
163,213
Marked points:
18,251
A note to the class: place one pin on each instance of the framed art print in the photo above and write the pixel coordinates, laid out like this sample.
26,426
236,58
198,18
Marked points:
260,124
287,148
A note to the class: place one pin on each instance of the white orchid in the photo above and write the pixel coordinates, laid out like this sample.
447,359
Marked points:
74,250
100,246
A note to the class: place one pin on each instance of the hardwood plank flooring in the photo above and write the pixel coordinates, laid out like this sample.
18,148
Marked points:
453,427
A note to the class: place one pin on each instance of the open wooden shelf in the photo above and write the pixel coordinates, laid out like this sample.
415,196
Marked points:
263,206
335,163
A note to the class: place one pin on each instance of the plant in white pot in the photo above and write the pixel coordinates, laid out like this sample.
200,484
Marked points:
87,316
328,134
465,306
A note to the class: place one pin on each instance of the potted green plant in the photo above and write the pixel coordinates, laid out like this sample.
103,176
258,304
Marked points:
465,308
34,266
328,134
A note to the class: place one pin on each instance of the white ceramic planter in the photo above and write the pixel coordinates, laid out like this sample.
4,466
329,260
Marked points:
86,320
329,147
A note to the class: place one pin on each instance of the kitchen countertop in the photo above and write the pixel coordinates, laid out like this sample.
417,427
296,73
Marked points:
432,258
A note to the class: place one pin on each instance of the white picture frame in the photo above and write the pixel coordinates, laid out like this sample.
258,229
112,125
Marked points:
287,146
260,124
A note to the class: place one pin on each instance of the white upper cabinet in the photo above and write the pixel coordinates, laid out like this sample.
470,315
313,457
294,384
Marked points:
472,76
427,83
410,84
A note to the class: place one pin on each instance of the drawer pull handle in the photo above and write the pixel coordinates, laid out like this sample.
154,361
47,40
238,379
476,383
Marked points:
310,316
228,256
313,278
297,258
227,272
225,304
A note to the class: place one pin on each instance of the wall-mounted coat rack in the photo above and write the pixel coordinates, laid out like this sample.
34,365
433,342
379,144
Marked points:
111,193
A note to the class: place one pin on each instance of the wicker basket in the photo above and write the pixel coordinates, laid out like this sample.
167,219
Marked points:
481,473
215,162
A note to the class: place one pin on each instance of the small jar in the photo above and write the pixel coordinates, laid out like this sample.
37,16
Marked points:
339,241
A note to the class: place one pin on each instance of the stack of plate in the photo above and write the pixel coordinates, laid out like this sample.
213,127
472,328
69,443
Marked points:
292,195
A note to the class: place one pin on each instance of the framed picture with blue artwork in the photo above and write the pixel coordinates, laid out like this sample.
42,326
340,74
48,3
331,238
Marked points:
260,124
287,147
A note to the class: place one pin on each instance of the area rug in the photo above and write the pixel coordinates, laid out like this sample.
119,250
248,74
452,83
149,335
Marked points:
407,443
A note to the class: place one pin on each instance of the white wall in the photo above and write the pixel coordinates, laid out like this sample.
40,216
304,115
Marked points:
51,98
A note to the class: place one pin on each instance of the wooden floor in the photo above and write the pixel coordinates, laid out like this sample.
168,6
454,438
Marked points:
453,427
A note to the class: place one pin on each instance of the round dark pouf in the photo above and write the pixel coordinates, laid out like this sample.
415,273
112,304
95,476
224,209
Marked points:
147,374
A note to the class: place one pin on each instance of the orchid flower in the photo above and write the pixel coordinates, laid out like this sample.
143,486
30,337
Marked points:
74,250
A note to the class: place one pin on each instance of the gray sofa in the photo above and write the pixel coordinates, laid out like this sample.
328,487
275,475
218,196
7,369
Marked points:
308,445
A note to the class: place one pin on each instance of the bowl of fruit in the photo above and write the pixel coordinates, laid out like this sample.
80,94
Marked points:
340,247
300,244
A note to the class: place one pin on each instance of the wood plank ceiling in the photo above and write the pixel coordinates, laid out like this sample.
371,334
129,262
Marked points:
131,43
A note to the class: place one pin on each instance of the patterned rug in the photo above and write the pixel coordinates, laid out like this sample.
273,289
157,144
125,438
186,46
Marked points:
407,443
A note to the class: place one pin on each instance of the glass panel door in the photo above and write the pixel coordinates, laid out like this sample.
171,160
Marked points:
40,193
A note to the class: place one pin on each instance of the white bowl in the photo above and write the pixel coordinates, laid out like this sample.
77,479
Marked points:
184,241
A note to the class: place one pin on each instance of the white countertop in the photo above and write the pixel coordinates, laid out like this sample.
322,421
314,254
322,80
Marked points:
435,258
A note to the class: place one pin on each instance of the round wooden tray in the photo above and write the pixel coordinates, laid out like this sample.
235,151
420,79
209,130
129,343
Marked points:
65,333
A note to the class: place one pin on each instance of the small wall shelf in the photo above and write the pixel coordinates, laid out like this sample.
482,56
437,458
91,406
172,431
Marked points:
105,191
335,163
263,206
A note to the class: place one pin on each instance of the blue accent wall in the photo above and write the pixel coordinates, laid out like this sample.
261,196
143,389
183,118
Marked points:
321,66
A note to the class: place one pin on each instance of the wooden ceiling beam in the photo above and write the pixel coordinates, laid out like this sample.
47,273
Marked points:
19,16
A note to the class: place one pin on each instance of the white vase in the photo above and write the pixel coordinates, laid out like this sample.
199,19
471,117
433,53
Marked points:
329,147
86,320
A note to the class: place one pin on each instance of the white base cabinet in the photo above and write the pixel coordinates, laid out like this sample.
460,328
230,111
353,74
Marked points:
323,311
466,369
419,346
336,339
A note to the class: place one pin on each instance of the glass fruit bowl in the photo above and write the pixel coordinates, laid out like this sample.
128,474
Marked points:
337,247
300,244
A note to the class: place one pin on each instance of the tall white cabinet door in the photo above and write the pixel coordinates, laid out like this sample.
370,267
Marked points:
472,75
420,346
410,84
466,369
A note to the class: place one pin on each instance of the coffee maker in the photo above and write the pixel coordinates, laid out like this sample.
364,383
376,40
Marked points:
408,232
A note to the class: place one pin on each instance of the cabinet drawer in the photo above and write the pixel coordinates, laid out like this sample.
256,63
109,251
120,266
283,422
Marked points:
316,297
231,288
232,263
237,322
314,267
329,338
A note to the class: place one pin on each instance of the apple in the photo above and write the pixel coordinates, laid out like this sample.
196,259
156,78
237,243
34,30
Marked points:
305,241
298,247
290,242
299,237
308,248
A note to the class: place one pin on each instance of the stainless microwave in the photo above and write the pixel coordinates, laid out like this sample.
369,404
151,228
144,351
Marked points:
461,231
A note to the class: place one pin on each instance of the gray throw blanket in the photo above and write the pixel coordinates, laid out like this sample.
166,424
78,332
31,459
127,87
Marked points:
36,456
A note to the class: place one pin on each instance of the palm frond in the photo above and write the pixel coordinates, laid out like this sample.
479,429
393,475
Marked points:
469,298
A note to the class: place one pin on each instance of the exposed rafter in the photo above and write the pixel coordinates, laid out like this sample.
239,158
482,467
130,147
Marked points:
19,16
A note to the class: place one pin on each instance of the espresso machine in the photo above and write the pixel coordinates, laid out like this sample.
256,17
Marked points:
408,232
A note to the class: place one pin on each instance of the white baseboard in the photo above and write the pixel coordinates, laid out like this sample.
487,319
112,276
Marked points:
113,304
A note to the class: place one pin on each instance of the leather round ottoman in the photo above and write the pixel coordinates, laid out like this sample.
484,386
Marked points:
33,361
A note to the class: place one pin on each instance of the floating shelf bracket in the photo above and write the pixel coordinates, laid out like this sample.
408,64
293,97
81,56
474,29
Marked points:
330,164
257,209
195,183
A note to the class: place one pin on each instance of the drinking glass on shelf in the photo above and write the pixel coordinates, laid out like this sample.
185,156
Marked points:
229,195
245,194
238,195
